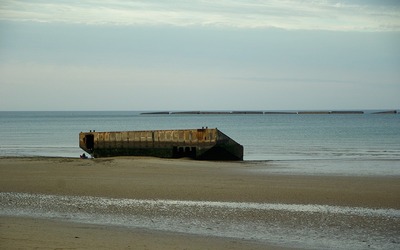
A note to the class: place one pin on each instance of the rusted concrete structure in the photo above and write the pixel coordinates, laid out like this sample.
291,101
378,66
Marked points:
200,144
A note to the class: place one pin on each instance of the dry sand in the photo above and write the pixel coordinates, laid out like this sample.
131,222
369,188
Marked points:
152,178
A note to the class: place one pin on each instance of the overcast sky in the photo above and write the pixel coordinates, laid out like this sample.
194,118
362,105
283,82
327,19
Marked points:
199,55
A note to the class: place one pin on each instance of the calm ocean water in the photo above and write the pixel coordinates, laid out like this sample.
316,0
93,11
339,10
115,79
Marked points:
360,144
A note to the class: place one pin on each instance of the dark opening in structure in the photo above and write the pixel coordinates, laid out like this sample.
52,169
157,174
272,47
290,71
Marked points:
89,142
179,152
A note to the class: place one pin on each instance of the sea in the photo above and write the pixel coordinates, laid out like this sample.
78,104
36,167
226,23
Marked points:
312,144
294,144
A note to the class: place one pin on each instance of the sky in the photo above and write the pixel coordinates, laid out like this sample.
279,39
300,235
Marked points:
199,55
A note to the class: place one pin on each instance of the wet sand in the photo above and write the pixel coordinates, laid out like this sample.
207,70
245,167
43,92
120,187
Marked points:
180,180
28,233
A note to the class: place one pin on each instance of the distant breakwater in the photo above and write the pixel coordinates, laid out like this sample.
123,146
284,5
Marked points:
255,112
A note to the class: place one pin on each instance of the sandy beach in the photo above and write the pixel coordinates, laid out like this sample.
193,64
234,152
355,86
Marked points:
219,196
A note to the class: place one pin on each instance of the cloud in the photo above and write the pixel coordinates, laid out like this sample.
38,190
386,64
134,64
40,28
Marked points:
283,14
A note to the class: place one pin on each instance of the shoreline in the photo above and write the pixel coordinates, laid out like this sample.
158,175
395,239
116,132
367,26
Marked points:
54,234
246,208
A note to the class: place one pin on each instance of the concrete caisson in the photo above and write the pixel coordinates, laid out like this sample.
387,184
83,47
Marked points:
199,144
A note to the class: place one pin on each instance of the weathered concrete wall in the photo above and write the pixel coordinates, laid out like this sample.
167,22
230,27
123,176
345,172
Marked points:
194,143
